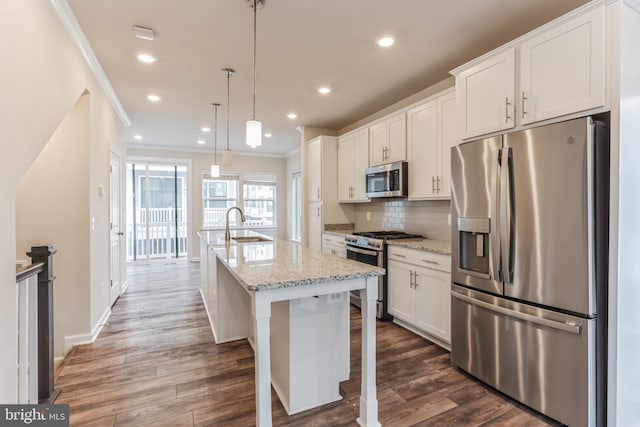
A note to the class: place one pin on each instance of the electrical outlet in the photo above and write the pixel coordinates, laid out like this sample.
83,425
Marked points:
334,298
368,216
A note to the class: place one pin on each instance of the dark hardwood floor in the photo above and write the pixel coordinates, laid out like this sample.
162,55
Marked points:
155,363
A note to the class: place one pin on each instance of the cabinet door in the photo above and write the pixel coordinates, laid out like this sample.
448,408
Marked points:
433,302
314,170
485,95
401,293
562,70
315,225
360,164
378,144
346,171
422,144
397,139
448,138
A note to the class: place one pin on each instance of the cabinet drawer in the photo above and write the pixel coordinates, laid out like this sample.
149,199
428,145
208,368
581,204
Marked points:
421,258
332,239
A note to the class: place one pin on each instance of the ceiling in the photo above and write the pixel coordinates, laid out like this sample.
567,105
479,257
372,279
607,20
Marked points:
302,45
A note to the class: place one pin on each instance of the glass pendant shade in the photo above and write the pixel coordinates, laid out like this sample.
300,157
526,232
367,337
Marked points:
215,171
227,157
254,133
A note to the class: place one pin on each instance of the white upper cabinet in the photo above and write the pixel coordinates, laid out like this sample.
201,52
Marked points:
353,159
388,142
314,168
431,132
486,95
422,144
562,69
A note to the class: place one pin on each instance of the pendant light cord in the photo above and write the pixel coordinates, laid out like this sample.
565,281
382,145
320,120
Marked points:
228,108
255,20
215,133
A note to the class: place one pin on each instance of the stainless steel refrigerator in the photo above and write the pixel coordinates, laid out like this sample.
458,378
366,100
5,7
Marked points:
529,255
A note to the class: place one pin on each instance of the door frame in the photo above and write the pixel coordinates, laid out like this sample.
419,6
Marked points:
116,285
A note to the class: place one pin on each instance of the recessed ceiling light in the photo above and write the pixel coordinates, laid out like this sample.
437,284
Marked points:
386,41
267,135
292,115
201,141
144,33
153,98
145,57
324,90
205,129
137,137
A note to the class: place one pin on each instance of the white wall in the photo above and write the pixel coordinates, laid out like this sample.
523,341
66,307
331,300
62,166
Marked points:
59,184
201,162
42,76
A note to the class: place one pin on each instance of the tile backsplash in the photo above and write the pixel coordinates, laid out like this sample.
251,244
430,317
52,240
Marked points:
428,218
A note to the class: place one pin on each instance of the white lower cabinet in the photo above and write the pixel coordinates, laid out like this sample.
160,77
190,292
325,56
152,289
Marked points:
334,244
419,296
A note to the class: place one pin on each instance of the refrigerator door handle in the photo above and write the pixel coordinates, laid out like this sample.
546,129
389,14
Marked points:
505,216
566,327
495,201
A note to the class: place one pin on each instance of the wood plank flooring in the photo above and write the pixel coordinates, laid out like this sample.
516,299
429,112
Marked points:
155,363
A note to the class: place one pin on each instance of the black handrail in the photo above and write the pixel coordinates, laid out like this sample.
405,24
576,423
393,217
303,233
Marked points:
23,273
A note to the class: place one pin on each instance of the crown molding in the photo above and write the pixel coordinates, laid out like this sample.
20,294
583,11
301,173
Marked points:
198,150
70,22
293,153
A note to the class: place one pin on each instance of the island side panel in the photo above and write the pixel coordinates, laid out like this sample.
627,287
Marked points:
233,307
281,352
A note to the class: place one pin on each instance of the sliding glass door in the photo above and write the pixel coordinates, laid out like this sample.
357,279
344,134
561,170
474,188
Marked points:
156,211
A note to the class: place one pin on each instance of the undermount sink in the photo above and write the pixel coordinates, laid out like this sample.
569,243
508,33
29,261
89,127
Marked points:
250,239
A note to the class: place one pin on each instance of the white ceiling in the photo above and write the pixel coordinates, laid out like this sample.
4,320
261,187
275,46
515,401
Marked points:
302,45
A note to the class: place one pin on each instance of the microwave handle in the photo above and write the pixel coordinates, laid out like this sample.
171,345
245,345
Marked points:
390,183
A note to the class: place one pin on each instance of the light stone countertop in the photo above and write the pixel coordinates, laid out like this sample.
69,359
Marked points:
278,264
429,245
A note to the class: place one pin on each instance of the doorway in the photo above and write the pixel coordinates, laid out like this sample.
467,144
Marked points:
156,211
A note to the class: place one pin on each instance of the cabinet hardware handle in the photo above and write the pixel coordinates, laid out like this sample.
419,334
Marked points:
333,251
438,184
433,185
318,211
318,193
524,98
507,104
400,256
411,279
428,261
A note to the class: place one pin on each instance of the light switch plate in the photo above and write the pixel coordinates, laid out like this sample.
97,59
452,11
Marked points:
368,216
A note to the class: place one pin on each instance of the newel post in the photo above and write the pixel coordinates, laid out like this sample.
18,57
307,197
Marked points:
44,254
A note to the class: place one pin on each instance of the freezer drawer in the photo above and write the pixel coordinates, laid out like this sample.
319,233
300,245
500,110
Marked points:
542,358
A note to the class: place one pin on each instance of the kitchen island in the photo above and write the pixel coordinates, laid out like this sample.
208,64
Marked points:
292,304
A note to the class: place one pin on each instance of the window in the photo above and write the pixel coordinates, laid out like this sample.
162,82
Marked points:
219,194
257,199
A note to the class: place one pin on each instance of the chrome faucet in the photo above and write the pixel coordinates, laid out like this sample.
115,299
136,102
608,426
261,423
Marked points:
227,234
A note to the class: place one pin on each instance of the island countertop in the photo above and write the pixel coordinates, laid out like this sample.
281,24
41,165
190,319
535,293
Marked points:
275,264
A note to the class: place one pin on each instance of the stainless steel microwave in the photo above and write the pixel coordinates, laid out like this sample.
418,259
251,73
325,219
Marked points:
388,180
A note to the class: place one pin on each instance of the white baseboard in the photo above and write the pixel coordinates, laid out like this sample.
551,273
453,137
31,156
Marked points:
125,286
195,259
56,363
73,340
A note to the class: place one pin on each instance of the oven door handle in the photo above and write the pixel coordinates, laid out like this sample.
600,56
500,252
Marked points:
362,251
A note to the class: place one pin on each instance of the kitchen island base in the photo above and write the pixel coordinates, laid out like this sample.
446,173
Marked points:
300,331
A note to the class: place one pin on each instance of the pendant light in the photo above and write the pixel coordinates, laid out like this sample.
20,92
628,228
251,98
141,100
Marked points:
254,127
227,154
215,167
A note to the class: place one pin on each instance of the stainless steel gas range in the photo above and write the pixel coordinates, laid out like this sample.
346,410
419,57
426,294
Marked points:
370,247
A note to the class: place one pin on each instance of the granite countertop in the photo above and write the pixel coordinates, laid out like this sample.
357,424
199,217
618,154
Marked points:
277,264
429,245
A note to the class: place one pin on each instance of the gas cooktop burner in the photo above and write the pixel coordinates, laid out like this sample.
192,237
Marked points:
387,235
